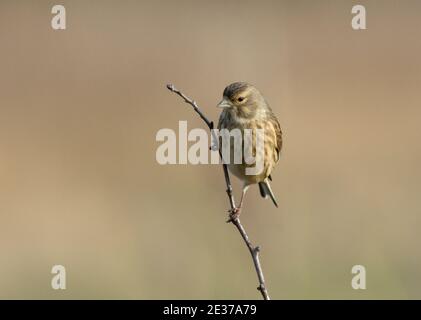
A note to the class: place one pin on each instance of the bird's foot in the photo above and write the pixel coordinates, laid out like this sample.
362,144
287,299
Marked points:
233,214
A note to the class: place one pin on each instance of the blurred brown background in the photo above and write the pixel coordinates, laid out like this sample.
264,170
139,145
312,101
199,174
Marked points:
80,186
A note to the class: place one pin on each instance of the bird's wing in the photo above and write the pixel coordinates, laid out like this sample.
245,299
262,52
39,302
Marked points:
278,132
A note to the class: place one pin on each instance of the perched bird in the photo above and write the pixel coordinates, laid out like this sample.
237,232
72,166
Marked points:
244,107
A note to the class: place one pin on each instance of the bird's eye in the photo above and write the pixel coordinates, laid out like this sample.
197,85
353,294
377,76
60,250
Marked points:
240,99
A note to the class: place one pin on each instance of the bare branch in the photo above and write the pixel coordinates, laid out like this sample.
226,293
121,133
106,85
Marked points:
192,103
254,251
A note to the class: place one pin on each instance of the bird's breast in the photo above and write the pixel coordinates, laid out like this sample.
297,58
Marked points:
262,153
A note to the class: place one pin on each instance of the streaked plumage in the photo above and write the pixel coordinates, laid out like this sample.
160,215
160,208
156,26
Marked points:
245,108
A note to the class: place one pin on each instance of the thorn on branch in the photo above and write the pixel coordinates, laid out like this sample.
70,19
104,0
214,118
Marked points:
261,288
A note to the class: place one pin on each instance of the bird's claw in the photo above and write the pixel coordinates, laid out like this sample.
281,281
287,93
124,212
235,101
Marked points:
234,214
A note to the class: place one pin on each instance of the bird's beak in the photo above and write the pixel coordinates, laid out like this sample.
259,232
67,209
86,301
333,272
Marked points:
224,104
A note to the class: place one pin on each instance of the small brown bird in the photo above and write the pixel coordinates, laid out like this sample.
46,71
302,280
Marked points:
246,108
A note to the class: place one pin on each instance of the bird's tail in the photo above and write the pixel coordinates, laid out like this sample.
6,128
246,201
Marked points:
265,191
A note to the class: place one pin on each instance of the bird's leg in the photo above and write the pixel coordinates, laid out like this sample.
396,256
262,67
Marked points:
235,213
243,193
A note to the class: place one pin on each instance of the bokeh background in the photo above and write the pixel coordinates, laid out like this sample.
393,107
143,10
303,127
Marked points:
80,186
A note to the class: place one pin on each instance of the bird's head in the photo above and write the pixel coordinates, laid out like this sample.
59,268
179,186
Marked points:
242,97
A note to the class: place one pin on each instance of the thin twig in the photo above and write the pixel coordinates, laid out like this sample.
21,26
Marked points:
254,251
